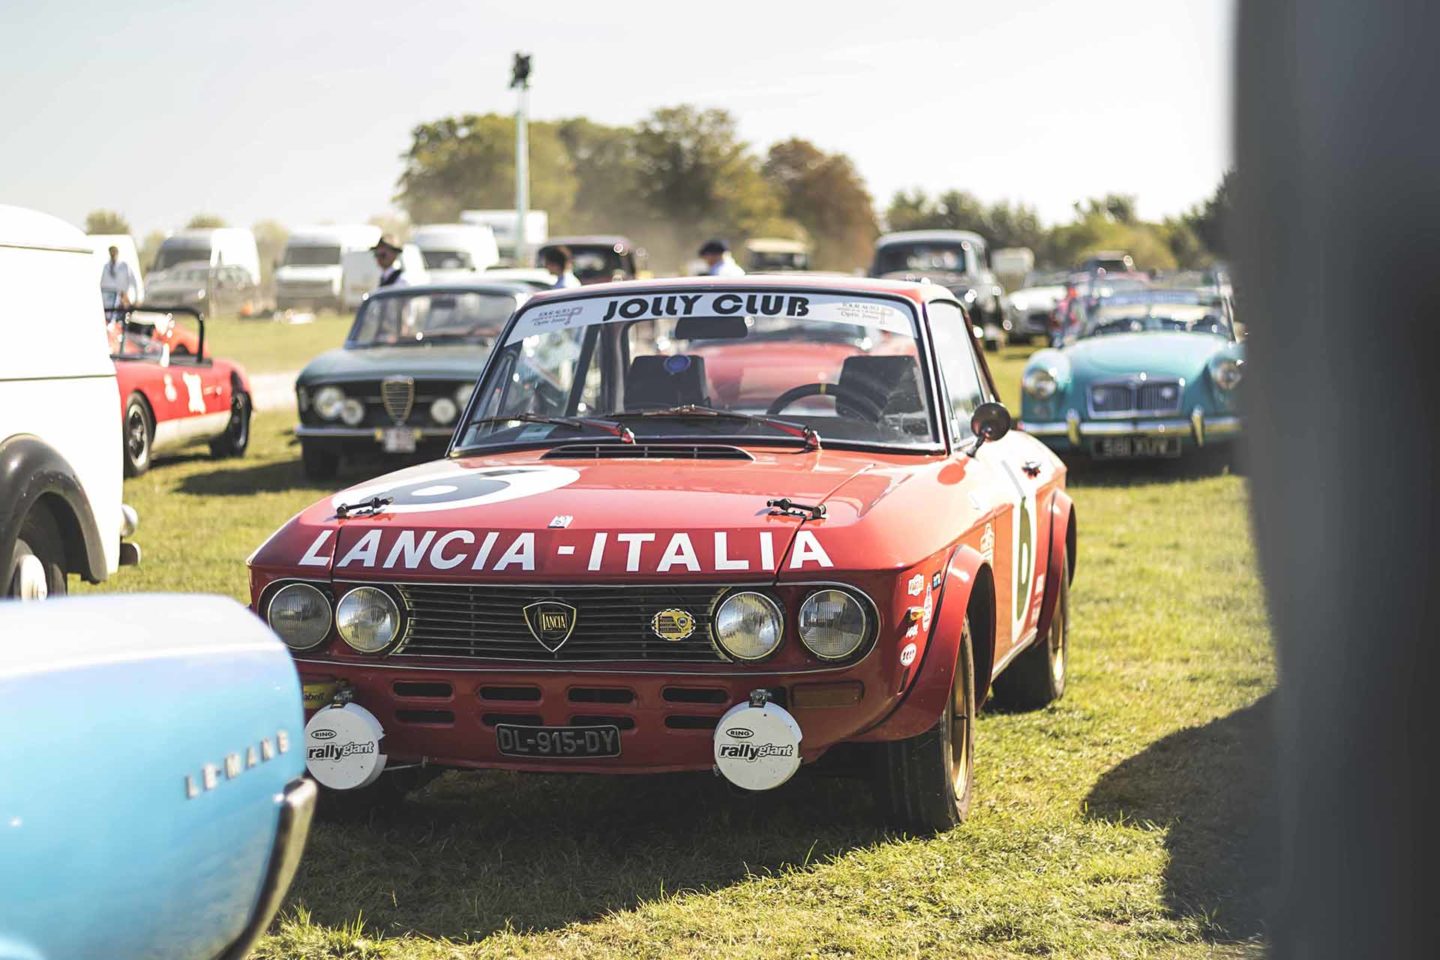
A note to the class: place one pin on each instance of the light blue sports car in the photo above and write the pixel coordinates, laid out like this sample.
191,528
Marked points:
1152,373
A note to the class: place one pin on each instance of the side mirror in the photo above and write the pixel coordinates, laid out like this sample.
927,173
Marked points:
991,421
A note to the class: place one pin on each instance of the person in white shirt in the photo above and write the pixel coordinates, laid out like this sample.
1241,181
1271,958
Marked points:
387,258
718,261
559,262
117,282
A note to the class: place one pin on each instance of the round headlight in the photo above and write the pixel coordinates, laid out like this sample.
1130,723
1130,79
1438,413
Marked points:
833,624
1226,373
443,410
300,615
352,411
748,626
329,401
1040,384
462,394
367,619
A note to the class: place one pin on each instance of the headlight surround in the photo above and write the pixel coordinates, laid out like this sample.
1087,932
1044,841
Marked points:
329,401
1040,383
299,613
1226,373
352,411
443,411
833,623
748,626
368,619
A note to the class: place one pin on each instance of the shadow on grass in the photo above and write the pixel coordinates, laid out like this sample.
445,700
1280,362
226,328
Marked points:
1195,465
277,477
1211,788
476,853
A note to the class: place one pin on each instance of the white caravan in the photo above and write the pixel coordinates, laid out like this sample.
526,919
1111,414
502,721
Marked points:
215,247
455,251
502,222
311,272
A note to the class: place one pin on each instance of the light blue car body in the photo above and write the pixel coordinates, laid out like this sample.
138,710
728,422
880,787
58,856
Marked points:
151,756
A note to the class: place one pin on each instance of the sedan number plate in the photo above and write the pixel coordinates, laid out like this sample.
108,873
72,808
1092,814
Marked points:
1112,448
399,440
558,742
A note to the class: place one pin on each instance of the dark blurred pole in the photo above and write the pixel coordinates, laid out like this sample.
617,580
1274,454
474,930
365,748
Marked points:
1337,237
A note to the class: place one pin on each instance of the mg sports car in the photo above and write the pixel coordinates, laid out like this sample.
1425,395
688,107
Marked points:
640,554
1153,373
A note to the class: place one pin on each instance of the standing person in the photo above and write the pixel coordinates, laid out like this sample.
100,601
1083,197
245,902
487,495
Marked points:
718,262
387,258
561,266
117,282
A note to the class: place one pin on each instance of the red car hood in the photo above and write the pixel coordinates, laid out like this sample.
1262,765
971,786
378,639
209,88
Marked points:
563,520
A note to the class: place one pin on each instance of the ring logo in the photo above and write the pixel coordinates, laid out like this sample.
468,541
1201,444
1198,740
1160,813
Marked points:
338,751
740,733
322,734
750,752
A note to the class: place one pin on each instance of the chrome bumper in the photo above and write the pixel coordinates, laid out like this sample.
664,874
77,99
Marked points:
1199,427
297,808
369,433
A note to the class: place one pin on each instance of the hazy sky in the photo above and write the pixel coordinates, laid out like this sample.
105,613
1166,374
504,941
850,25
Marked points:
299,111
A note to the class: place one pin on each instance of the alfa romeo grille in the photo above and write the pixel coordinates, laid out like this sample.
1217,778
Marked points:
1146,396
611,623
398,395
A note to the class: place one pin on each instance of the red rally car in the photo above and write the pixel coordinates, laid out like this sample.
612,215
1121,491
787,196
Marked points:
639,555
171,393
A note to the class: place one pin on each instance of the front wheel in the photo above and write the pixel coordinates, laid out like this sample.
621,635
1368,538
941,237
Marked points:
139,435
927,781
236,438
37,569
1036,678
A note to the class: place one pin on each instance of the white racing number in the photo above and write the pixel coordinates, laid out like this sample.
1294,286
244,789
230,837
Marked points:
449,486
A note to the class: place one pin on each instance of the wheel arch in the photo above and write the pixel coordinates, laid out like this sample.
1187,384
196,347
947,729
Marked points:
41,478
1063,543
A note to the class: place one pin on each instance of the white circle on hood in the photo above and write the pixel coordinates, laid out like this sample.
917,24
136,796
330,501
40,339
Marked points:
450,486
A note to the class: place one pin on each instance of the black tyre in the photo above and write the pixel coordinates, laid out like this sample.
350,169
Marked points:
320,463
382,797
236,438
926,782
37,569
139,435
1037,677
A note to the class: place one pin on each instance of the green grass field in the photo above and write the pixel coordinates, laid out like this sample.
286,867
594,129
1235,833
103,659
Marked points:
1122,822
263,345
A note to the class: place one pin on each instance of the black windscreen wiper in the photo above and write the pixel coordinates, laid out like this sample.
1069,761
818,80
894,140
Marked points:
611,427
693,410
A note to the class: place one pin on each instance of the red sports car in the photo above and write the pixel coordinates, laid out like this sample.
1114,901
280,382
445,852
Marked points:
627,564
171,393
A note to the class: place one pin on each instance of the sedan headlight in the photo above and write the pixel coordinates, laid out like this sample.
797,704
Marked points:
367,619
1040,384
462,394
748,626
300,615
833,624
443,411
329,401
352,411
1226,373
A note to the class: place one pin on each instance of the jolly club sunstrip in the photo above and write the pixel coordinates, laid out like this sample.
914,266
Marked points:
686,525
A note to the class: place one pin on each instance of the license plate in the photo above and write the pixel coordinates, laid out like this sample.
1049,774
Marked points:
399,440
558,742
1114,448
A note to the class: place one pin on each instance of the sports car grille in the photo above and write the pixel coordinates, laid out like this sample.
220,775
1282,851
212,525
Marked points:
398,394
610,623
1148,397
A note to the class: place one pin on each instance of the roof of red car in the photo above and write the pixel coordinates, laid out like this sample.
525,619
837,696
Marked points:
839,284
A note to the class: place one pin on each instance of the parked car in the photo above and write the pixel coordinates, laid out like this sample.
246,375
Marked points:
454,252
208,290
169,398
361,274
310,273
1108,261
599,259
60,483
1152,374
216,247
767,255
955,259
403,376
190,739
1083,292
617,570
1030,311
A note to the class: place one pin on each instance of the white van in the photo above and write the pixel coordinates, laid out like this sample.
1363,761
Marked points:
311,271
502,223
128,255
60,456
362,274
455,251
216,247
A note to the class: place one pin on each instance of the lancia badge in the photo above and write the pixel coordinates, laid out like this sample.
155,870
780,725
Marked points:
561,521
551,623
672,624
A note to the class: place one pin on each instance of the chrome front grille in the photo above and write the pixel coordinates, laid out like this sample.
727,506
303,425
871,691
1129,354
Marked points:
1131,397
398,395
611,623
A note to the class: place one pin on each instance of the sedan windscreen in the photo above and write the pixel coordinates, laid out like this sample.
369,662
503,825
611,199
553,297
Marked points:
409,319
920,258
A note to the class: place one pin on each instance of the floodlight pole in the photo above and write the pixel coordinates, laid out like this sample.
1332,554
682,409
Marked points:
520,82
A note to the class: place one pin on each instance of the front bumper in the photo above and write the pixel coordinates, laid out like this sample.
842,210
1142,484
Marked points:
1072,433
297,808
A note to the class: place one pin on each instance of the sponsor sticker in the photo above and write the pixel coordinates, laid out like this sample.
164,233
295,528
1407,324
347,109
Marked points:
757,748
916,586
907,654
342,747
672,624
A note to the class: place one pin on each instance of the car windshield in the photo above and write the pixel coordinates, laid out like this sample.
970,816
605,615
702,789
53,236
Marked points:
420,318
927,257
172,254
592,263
750,365
1189,314
311,255
447,260
761,261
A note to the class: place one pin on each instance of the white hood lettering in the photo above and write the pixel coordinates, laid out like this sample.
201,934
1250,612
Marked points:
313,557
807,548
680,551
364,551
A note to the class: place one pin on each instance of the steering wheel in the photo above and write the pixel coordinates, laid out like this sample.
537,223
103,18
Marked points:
862,404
